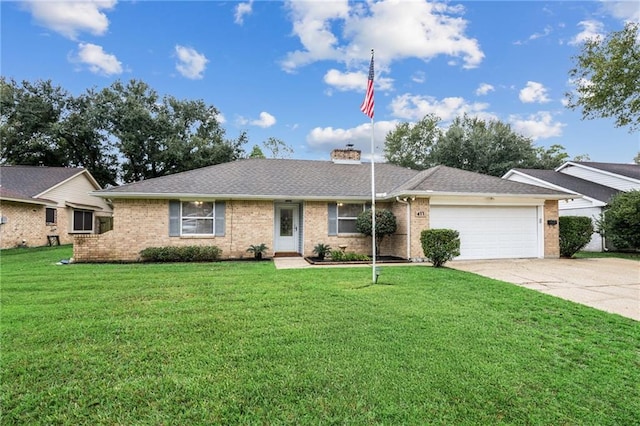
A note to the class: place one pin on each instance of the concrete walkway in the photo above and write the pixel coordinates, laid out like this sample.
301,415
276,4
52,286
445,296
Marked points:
608,284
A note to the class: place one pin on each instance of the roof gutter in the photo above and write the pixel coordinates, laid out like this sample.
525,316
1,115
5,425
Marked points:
487,194
195,196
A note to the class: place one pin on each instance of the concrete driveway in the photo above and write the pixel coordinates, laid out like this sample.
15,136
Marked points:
608,284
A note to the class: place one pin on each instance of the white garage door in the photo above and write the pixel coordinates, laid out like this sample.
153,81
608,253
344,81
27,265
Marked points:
491,232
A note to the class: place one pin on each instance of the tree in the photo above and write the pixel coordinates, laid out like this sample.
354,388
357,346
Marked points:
30,115
553,157
386,224
277,148
621,220
409,145
256,152
43,125
157,137
607,78
488,147
85,142
636,159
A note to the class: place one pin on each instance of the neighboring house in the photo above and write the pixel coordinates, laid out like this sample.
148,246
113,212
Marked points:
595,182
48,205
292,205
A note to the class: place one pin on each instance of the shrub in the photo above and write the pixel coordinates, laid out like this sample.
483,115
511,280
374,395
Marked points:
181,254
440,245
347,256
322,250
575,233
386,224
621,221
258,250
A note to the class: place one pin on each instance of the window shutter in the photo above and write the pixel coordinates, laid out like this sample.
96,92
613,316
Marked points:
174,218
220,207
333,218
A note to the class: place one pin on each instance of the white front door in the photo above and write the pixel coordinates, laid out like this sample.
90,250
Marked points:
286,228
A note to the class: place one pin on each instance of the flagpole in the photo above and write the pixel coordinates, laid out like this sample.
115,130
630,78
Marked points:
373,204
367,108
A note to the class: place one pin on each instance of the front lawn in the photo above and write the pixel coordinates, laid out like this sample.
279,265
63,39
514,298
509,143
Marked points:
244,343
598,254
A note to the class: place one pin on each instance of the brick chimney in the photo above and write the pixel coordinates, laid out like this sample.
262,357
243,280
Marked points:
348,155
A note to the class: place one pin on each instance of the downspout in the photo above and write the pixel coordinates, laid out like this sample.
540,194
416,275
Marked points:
404,201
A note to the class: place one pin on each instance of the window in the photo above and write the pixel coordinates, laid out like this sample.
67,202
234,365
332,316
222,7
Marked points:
51,216
342,217
197,218
82,221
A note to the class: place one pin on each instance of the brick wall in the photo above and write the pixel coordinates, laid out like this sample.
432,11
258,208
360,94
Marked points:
316,230
138,224
345,154
419,222
27,222
551,233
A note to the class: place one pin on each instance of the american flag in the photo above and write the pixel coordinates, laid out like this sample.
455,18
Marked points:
367,104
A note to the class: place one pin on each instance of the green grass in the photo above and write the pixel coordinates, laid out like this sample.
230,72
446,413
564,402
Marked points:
617,254
244,343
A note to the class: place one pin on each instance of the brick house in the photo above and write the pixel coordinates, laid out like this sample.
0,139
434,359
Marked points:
45,205
292,205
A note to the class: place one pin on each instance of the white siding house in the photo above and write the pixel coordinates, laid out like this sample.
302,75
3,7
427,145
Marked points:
593,183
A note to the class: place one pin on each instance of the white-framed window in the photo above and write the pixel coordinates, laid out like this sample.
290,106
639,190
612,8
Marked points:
342,217
347,215
194,217
82,221
51,216
197,218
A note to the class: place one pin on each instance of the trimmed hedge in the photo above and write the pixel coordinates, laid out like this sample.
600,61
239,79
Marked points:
575,233
440,245
347,256
181,254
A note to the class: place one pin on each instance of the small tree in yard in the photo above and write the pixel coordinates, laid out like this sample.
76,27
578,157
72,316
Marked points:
575,233
386,224
440,245
621,221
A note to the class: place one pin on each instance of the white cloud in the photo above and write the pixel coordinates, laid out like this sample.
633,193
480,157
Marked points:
243,9
534,92
428,30
537,126
590,29
265,120
191,64
324,139
415,107
344,81
484,89
72,17
623,10
419,77
547,30
220,118
97,59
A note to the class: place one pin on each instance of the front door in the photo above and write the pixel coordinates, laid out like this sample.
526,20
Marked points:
286,228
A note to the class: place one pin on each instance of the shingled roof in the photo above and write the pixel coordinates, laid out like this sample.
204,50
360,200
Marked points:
443,179
308,179
572,183
30,181
628,170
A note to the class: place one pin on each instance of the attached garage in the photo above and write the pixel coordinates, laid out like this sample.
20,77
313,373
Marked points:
494,232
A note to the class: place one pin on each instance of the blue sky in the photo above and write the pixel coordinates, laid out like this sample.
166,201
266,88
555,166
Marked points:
297,70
